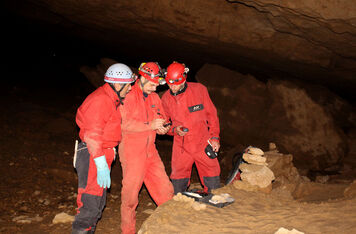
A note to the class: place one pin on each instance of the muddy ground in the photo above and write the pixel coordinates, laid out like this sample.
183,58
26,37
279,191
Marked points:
38,131
37,179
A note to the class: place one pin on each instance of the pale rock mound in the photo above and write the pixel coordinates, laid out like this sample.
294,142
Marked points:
258,175
189,202
63,218
254,159
255,172
286,231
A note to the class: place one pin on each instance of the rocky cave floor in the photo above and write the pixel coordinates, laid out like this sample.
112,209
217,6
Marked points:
37,178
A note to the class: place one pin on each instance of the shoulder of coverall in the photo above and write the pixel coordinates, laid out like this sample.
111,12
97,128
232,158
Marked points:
110,92
165,94
98,99
136,92
196,85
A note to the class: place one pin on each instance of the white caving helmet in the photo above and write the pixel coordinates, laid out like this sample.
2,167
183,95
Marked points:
119,73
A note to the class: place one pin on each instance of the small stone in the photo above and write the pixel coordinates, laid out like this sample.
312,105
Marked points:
22,219
63,218
258,175
148,211
272,146
322,179
36,193
62,206
286,231
254,159
47,202
37,218
254,150
114,196
73,196
24,208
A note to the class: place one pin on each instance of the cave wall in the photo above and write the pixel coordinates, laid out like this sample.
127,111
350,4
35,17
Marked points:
255,113
313,40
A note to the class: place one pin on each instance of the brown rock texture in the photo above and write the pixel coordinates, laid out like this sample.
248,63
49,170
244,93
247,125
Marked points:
313,134
313,39
282,167
253,113
350,191
258,175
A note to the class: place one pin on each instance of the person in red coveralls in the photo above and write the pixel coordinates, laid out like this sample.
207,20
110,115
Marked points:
194,124
99,120
142,117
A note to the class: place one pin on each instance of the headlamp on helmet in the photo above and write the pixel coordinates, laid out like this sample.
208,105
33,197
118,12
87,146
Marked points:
176,73
152,72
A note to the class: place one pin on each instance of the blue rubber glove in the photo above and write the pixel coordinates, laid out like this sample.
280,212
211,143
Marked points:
103,172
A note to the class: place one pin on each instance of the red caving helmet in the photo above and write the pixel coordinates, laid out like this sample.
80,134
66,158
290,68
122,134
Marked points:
176,73
152,72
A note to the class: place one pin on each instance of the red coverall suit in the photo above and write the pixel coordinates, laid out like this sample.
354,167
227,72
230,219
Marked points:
194,110
139,158
99,121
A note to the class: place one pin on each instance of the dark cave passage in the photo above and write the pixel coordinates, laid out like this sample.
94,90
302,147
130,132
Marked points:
261,98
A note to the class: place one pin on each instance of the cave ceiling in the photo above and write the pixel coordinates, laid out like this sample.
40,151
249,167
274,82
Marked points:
312,40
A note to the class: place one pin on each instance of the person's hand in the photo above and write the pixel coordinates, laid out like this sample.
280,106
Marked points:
157,123
215,145
103,172
163,130
179,131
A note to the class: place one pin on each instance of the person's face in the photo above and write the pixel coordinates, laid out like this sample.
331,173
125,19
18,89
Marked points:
175,88
149,87
124,91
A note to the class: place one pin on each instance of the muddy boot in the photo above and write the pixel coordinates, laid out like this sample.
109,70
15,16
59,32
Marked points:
180,185
211,182
91,231
75,231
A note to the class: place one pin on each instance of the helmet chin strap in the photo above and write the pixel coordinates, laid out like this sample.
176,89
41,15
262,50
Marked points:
118,92
143,84
181,90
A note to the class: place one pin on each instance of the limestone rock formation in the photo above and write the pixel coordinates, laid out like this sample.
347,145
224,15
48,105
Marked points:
258,175
254,159
313,40
282,167
252,112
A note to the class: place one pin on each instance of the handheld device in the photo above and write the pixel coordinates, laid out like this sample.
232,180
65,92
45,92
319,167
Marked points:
210,152
167,124
184,129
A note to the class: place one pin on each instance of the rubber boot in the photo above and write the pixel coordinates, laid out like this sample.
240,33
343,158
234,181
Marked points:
75,231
